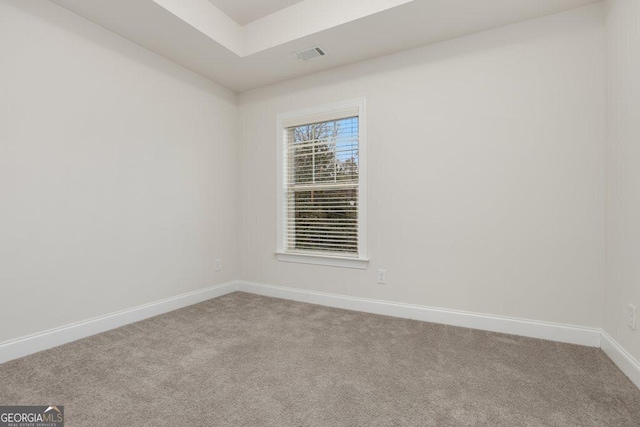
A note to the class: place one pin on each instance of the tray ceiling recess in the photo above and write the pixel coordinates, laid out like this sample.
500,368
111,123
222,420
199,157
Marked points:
246,11
252,45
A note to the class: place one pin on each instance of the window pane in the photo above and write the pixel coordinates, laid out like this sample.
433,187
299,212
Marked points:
324,152
324,220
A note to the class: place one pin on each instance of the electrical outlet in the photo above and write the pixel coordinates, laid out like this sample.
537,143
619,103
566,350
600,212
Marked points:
631,316
382,277
218,265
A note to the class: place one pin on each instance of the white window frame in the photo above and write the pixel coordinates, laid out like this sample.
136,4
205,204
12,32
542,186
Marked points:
313,115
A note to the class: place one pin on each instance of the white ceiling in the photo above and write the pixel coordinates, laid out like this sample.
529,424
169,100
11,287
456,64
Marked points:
201,37
246,11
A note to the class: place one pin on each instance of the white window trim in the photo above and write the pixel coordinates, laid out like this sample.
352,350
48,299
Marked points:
308,115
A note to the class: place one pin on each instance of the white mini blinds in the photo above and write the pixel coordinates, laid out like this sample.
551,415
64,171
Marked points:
321,179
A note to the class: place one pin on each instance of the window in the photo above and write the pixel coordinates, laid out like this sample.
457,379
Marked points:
321,182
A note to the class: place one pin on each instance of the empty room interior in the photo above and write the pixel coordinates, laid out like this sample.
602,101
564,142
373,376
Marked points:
319,212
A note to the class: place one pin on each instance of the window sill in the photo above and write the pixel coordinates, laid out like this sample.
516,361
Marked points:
330,261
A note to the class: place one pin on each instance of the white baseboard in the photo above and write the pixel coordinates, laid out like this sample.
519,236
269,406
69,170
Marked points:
527,328
592,337
621,357
30,344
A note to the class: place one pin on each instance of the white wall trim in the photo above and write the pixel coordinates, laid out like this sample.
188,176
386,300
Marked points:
330,261
571,334
345,108
507,325
34,343
621,357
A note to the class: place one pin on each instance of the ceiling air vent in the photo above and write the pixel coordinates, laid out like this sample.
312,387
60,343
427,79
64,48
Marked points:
310,54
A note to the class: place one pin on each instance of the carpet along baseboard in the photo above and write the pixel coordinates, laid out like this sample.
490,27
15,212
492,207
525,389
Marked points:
621,357
592,337
527,328
30,344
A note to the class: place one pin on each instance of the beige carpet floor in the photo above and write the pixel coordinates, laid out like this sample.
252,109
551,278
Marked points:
246,360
